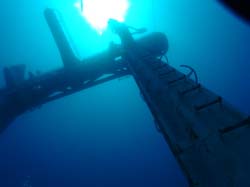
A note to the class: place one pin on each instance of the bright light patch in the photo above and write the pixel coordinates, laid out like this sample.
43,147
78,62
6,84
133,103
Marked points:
98,12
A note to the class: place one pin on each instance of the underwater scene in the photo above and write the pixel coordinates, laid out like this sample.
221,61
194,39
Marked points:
99,125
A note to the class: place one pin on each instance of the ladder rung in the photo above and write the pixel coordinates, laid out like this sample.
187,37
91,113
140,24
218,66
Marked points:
240,124
193,88
162,75
176,80
203,106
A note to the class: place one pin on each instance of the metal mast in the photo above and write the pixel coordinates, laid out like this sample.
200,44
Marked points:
208,137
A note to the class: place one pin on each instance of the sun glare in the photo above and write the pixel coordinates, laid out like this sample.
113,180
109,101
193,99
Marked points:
98,12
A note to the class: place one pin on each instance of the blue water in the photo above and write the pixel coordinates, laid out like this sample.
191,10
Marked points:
105,136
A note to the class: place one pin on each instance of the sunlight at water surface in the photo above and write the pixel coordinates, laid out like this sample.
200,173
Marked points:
98,12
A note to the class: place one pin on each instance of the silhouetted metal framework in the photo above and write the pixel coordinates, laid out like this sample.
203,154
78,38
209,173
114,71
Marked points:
208,137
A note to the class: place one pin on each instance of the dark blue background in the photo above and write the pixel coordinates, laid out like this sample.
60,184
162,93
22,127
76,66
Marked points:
105,136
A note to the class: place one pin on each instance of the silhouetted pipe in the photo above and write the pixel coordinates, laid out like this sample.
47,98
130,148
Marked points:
56,28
